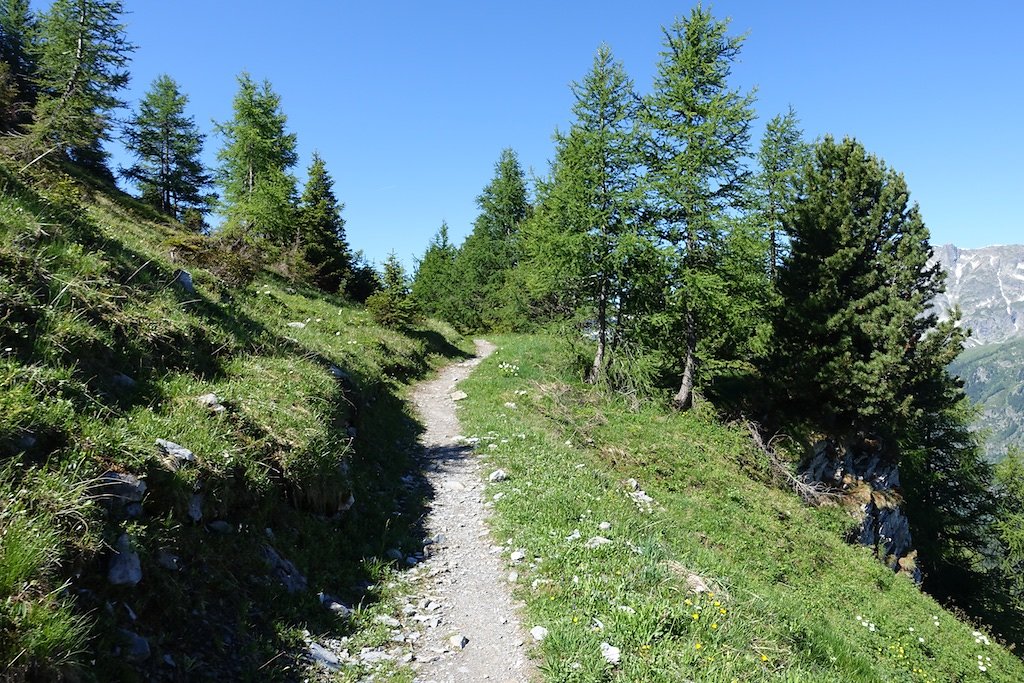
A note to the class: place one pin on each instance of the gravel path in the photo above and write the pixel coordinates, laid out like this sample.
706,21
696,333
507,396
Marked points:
474,632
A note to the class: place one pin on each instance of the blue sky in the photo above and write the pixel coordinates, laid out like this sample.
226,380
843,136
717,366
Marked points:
410,103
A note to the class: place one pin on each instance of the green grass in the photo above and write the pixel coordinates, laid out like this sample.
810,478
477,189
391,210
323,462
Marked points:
87,298
791,600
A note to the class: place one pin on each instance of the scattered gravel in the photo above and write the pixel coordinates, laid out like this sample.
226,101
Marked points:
464,588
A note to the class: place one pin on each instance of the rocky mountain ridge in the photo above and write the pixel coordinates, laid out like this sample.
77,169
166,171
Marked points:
988,286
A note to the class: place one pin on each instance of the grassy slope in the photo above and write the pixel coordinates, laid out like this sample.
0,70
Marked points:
86,295
792,601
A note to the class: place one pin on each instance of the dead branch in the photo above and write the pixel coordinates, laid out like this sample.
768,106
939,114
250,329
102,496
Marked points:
811,492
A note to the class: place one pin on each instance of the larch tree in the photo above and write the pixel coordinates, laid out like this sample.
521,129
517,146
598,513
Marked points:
167,146
258,189
579,244
781,156
82,60
698,130
321,232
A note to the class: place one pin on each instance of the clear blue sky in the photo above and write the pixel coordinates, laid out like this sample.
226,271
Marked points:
410,103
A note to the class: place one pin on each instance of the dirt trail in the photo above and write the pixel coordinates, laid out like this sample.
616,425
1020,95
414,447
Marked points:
464,586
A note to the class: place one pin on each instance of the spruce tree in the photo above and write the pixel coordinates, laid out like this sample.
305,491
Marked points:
82,64
322,229
699,129
167,145
17,47
492,249
435,288
258,190
391,306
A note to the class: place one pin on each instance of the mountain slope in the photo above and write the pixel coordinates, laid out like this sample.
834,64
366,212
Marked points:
186,461
988,286
656,546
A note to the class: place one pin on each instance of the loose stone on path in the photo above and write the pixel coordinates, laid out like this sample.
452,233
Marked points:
481,638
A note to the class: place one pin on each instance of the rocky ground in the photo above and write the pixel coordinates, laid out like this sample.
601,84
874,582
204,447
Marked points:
471,631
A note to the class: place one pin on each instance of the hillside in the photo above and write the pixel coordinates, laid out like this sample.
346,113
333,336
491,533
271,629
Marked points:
988,286
657,546
188,462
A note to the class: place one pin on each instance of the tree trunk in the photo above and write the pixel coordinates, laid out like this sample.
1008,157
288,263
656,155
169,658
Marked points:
683,400
597,369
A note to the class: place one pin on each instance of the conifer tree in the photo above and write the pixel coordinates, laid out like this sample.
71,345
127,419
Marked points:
781,156
167,145
492,249
699,129
435,288
580,241
17,47
391,306
82,58
856,287
322,229
258,191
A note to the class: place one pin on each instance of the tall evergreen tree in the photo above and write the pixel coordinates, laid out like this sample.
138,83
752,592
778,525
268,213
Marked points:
435,288
699,129
781,155
580,241
322,229
856,287
167,145
258,191
17,46
492,249
82,58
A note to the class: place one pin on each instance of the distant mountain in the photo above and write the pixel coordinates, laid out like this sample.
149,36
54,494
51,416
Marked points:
988,285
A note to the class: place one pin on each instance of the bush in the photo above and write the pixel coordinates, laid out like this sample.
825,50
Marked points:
390,309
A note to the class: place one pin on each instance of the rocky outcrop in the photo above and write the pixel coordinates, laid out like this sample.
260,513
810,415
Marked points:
870,483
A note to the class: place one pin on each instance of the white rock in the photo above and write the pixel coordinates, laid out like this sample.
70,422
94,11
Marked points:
458,395
387,620
297,325
610,653
605,526
538,633
510,404
498,475
513,577
597,542
458,641
518,555
574,536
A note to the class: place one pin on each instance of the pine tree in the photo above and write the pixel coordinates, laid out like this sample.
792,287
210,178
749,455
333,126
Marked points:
699,130
852,334
492,249
82,59
322,229
167,145
580,241
781,155
435,288
258,198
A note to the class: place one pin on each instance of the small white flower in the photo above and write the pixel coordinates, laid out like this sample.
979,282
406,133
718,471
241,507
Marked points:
920,639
